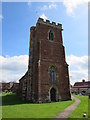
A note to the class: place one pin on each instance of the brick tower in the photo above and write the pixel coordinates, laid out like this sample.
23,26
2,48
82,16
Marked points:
47,78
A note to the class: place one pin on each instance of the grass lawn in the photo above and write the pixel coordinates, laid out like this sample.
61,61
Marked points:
14,108
81,108
89,108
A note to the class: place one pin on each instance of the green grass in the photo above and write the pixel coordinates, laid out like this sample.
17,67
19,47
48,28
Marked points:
81,108
14,108
89,108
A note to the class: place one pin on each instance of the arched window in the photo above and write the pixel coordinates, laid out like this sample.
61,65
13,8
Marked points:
52,74
51,35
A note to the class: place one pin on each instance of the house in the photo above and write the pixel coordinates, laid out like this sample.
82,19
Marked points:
10,86
81,87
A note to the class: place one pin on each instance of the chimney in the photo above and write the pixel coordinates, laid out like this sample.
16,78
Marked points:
83,80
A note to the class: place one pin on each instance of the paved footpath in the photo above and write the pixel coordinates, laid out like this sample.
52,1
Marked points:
64,114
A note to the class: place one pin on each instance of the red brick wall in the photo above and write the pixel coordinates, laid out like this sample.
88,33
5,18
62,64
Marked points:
42,54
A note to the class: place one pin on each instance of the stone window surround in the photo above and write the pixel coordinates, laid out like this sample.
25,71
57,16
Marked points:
53,35
57,94
54,72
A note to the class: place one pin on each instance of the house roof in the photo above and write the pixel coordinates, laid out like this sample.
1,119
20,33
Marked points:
24,77
82,84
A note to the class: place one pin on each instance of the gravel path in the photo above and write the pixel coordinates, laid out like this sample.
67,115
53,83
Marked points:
64,114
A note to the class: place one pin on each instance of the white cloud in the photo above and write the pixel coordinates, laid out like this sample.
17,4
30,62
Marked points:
43,16
13,68
78,68
71,5
52,5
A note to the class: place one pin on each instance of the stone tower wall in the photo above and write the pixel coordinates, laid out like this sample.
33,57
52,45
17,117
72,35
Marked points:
43,54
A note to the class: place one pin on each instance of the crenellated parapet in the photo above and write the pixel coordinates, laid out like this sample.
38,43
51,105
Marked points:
32,28
47,22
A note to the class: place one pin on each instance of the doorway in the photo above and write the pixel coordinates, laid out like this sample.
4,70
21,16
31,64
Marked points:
53,94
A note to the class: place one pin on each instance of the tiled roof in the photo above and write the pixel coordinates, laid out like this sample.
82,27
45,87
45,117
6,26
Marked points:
83,84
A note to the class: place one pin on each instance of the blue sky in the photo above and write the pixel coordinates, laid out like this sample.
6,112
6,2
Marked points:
17,18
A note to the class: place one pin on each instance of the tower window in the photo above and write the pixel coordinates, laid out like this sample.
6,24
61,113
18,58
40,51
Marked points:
51,36
52,74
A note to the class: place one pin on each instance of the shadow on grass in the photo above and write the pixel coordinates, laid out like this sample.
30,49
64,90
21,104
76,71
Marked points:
11,99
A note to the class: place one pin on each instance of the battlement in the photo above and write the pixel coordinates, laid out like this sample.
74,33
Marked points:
47,22
32,28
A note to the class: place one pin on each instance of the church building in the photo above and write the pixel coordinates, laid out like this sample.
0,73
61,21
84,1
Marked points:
47,77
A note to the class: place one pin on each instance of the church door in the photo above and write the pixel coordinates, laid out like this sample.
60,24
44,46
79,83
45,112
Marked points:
53,94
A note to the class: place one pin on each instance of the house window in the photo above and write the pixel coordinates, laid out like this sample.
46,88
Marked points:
51,36
52,74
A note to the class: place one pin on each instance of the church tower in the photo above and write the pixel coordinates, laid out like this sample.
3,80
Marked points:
48,75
